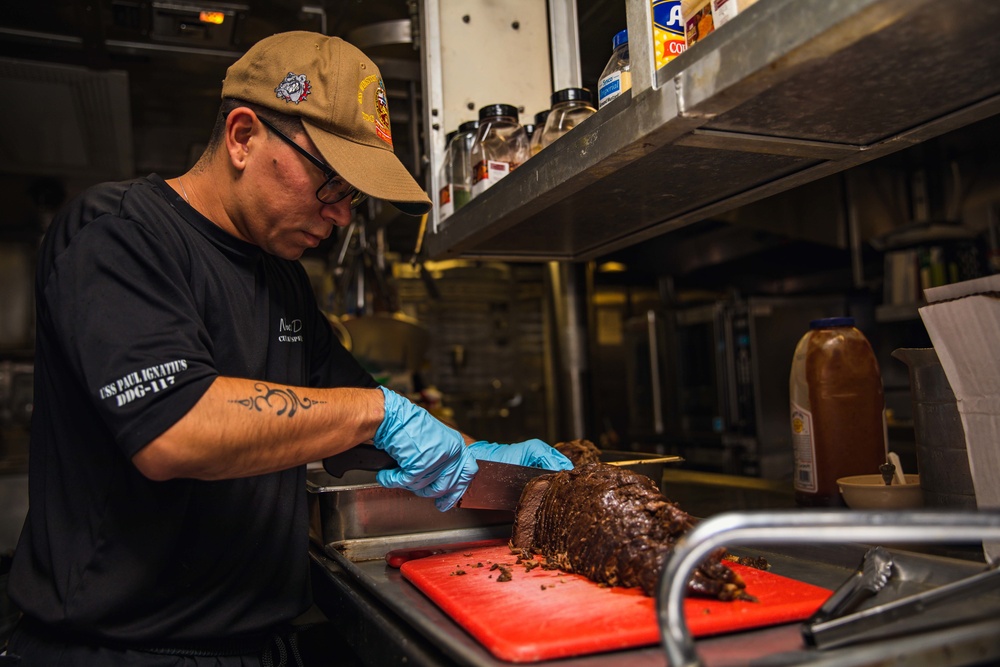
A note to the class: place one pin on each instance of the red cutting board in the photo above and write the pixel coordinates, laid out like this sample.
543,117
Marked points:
548,614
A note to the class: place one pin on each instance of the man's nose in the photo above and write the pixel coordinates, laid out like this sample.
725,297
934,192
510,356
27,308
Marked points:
339,213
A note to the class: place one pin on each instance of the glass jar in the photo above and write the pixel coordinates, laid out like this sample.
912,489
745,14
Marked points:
837,410
501,144
536,138
446,193
570,107
616,77
459,165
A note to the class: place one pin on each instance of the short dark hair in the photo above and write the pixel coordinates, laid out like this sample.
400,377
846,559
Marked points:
289,125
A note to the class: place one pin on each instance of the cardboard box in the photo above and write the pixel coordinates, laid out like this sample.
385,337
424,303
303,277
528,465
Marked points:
963,321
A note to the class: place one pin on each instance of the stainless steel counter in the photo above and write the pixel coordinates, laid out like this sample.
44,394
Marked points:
388,621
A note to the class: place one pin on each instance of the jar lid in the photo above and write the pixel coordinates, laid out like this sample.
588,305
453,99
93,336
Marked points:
469,126
540,117
619,39
493,110
572,95
828,322
448,137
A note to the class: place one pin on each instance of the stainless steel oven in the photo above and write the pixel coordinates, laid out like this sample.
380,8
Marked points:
710,382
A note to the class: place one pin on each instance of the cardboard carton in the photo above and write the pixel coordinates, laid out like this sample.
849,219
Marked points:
963,321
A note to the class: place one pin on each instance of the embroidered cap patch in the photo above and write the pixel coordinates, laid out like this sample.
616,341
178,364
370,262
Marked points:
381,116
294,88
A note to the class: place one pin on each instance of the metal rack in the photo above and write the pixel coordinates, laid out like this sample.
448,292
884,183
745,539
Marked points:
788,92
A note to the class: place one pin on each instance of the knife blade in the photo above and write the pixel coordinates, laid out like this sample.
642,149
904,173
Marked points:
498,486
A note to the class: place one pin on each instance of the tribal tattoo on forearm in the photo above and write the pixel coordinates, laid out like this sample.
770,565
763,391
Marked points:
280,401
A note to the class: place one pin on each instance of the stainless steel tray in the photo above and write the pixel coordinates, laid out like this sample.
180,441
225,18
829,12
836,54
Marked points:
355,516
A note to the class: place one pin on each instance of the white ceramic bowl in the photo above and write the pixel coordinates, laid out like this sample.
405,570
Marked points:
869,492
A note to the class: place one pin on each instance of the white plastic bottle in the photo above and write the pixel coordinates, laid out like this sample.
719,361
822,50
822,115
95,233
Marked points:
570,107
501,145
617,76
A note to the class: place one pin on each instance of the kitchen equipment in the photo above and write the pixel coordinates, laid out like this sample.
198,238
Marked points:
942,456
497,486
868,579
356,517
867,623
711,381
547,614
892,470
818,526
353,516
869,492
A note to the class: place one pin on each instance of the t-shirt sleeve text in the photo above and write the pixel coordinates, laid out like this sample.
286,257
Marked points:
144,382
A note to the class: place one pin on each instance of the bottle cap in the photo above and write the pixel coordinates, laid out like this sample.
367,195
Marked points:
828,322
493,110
540,117
619,39
448,137
572,95
469,126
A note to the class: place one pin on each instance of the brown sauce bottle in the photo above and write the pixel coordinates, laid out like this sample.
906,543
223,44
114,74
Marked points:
837,411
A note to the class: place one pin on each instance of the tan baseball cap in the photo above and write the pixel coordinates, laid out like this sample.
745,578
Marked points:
338,93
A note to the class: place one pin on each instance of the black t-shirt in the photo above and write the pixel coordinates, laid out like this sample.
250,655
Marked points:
141,303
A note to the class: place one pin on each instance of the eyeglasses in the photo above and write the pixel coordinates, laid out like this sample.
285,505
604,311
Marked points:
334,188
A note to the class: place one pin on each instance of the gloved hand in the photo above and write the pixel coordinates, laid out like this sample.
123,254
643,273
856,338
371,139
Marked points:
534,453
433,459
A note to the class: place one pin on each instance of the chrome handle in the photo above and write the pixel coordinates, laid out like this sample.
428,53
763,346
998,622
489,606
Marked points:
796,527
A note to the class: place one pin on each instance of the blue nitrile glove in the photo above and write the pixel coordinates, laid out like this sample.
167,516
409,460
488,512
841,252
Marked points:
433,459
534,453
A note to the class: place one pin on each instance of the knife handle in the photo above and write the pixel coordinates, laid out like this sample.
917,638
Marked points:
359,457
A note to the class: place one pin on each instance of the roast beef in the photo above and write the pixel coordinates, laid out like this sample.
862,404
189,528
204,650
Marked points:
579,452
611,525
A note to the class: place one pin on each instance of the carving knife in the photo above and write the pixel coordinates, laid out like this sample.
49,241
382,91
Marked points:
497,486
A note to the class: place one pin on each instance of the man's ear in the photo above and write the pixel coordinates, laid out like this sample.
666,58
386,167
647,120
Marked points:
241,129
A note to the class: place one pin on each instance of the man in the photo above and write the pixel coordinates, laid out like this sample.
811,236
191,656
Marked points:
185,376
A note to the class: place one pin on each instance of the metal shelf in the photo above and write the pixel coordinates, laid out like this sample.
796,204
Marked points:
786,93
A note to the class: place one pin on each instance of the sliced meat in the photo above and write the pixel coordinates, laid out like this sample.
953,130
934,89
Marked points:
612,525
580,452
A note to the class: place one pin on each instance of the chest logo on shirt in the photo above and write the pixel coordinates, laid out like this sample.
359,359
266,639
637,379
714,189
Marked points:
288,331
